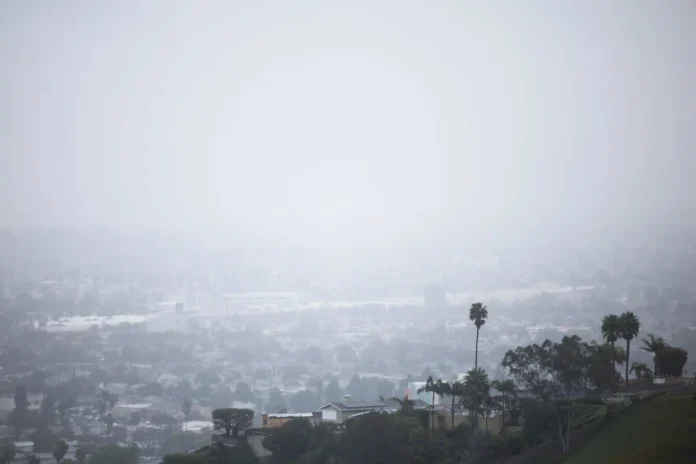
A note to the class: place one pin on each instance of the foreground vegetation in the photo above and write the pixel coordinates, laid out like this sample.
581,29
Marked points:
660,431
564,383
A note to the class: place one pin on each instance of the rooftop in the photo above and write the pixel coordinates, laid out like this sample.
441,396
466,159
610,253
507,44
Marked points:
291,415
356,405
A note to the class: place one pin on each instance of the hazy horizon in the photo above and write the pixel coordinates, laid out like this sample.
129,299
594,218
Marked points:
351,126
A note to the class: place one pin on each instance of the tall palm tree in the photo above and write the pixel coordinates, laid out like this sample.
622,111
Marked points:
431,386
455,390
610,332
477,387
629,326
654,345
489,404
507,389
478,314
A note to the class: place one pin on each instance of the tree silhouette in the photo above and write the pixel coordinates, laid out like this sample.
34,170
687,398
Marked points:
21,406
610,332
8,451
641,370
507,389
478,314
654,345
629,326
81,455
477,387
455,390
59,451
431,386
232,420
186,405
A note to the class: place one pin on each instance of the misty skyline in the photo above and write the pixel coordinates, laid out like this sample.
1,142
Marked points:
361,124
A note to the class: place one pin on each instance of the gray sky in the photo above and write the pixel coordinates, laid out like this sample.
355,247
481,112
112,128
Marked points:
335,123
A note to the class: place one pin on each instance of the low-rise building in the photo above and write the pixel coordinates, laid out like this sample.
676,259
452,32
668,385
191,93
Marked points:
125,410
339,412
280,419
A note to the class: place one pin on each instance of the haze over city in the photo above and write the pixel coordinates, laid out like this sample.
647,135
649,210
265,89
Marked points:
356,125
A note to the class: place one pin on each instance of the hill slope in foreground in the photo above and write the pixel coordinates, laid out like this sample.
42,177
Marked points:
660,431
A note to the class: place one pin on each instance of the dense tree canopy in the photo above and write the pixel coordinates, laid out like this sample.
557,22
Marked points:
232,420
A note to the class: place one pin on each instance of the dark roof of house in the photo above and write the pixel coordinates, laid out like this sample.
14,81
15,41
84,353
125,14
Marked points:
396,404
356,405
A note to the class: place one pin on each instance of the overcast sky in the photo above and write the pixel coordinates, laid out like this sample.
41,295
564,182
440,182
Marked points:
333,123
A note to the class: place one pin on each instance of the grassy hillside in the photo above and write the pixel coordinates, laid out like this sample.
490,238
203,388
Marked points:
660,431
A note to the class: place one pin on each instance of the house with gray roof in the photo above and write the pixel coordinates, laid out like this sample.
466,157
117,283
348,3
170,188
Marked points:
338,412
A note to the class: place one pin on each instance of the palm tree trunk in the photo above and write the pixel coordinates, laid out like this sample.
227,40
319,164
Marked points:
613,364
628,355
476,352
433,414
487,419
502,423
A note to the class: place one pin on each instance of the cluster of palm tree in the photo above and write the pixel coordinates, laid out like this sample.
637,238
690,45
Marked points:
626,326
473,394
656,346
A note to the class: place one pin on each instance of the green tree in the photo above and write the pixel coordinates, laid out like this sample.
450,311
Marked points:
64,405
610,332
476,387
243,393
507,389
316,384
672,361
489,404
275,400
134,418
215,454
290,441
333,391
48,410
112,400
186,406
59,450
654,345
19,414
380,438
641,370
629,326
454,390
478,313
8,451
81,455
44,440
552,371
431,386
109,422
33,459
232,420
599,365
305,401
222,396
